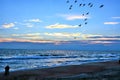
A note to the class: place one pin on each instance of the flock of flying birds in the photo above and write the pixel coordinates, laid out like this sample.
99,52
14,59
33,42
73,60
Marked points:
83,5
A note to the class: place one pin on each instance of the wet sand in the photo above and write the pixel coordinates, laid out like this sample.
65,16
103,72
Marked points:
109,70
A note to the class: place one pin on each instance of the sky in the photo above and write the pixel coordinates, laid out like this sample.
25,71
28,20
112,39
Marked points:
52,23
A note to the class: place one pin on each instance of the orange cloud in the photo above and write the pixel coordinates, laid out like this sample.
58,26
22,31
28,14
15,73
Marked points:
24,40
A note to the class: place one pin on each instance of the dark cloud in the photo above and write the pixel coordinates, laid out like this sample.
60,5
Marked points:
104,37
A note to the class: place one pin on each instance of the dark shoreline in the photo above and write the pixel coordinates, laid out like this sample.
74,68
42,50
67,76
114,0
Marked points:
59,66
109,70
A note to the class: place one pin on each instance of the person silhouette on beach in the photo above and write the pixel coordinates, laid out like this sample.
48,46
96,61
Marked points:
7,70
119,61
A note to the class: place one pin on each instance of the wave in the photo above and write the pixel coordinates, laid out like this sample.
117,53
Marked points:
26,57
35,57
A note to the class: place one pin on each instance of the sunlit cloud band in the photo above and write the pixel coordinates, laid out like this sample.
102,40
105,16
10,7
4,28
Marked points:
111,23
60,26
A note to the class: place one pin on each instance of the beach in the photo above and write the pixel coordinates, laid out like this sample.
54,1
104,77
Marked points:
36,59
59,40
109,70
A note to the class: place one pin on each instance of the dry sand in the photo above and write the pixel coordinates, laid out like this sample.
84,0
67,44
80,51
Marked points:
109,70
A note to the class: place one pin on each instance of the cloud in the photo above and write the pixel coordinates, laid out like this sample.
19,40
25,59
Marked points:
33,20
116,17
26,24
104,38
63,34
60,26
73,17
101,42
24,40
9,25
111,23
28,36
59,38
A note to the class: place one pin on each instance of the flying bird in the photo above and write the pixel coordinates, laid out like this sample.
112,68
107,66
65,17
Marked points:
75,1
79,25
87,13
82,14
85,23
85,19
83,4
70,8
70,5
101,6
89,4
67,1
75,37
80,4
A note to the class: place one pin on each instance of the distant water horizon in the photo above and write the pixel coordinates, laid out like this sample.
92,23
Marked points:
20,59
60,49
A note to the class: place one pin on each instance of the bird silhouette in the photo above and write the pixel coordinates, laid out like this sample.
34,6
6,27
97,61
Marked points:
85,23
89,4
80,4
87,13
101,6
71,5
83,4
67,1
82,14
75,1
75,37
70,8
85,19
79,25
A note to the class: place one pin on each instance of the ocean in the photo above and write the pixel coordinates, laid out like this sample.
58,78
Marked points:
20,59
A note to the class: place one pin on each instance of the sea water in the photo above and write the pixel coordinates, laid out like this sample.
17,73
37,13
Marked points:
20,59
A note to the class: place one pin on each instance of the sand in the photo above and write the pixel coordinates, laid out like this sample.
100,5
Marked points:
109,70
